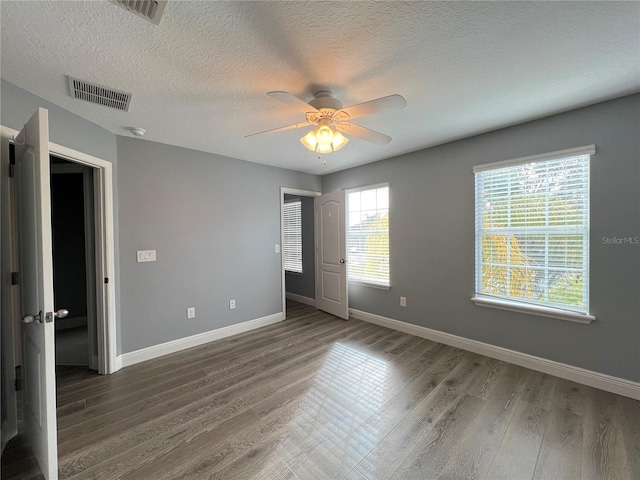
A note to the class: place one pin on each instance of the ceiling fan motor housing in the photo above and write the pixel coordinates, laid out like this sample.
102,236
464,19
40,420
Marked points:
325,100
327,107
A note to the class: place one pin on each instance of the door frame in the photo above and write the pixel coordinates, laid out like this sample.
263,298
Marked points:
301,193
8,300
104,244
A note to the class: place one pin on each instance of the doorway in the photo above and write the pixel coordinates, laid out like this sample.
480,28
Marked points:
74,283
74,257
298,246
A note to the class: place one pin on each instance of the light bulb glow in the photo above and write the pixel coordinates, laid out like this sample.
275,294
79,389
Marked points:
309,140
339,141
324,138
324,135
324,148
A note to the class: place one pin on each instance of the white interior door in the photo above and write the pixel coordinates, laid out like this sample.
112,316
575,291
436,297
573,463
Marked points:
36,292
331,267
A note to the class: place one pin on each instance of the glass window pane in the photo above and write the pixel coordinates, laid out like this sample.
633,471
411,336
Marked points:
532,232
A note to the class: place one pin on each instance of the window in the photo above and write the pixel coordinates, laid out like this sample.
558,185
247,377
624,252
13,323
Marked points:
532,233
368,235
292,247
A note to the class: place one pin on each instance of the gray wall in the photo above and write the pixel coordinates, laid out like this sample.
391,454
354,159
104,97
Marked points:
65,128
432,238
214,222
305,284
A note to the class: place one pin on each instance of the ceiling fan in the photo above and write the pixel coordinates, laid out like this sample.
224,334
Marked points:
331,120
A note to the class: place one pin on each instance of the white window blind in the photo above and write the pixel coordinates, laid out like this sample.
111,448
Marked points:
292,247
368,235
532,230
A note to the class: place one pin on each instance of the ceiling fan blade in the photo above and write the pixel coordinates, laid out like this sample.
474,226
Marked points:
293,101
372,107
281,129
363,133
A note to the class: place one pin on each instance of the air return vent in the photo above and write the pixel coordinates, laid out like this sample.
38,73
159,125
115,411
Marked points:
150,10
98,94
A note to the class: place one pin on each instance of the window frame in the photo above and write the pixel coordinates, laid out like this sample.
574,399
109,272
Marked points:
511,304
285,245
359,281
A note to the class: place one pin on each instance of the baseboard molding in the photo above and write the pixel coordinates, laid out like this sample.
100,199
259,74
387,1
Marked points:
301,299
144,354
602,381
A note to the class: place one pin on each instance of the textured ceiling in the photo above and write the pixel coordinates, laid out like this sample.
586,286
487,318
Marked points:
199,79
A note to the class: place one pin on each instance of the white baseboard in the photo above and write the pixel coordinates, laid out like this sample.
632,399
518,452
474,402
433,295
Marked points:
602,381
301,299
173,346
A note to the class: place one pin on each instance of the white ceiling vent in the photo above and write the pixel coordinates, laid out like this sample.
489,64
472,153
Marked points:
150,10
98,94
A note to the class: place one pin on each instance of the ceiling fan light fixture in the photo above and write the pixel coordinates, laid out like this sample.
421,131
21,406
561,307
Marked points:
327,113
323,142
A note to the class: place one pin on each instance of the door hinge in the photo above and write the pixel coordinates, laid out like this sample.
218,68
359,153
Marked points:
106,280
15,278
18,384
12,170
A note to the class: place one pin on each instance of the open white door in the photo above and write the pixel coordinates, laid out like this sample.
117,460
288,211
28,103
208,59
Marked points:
36,292
331,267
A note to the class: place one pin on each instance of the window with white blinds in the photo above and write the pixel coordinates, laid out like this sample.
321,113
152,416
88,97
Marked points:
368,235
532,230
292,247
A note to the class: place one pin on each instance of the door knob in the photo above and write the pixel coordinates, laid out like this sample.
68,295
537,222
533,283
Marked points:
342,260
63,312
32,318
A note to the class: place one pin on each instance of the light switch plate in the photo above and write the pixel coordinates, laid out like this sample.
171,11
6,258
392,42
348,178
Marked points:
146,256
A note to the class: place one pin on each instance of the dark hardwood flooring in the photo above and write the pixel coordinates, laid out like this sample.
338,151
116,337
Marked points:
316,397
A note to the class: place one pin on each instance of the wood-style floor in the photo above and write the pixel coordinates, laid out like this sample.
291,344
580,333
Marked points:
316,397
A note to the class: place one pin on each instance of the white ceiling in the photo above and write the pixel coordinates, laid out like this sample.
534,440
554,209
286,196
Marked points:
199,79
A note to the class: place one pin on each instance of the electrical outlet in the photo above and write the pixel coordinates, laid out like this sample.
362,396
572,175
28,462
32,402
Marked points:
277,248
232,304
191,312
403,301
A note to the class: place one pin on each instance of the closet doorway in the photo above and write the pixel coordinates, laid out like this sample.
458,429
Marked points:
74,262
298,245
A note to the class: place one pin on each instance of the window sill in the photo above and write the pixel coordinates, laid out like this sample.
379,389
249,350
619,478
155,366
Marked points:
372,285
533,310
291,272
